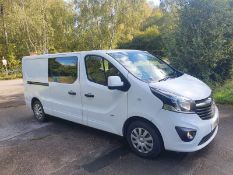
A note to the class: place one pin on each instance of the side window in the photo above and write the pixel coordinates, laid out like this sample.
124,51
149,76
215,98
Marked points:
99,69
63,69
95,69
110,70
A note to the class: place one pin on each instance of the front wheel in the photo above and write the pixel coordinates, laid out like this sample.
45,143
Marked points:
38,111
144,139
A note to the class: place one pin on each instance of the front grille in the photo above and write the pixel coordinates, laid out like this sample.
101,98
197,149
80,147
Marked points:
207,137
205,108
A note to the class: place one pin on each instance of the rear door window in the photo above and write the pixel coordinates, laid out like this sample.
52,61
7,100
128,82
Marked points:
63,69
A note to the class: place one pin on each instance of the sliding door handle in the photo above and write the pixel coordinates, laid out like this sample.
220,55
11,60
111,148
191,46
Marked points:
89,95
72,93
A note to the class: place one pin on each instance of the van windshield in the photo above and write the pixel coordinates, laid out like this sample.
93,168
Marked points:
144,66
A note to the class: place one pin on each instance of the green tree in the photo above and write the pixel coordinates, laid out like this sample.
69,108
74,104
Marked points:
149,37
202,43
149,40
36,27
102,24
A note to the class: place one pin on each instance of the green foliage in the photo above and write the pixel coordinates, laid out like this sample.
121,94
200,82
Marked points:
196,36
63,26
202,42
224,94
102,24
4,76
149,38
35,27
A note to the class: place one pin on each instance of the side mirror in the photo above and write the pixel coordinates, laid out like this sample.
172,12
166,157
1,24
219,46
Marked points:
114,82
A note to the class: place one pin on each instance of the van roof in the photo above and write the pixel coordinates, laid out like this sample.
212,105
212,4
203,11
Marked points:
70,53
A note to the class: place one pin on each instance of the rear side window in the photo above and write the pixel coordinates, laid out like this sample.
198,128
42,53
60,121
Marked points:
63,69
99,69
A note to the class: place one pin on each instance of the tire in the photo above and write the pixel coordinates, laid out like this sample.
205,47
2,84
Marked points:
144,139
38,111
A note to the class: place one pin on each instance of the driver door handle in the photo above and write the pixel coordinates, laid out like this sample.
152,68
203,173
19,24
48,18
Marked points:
89,95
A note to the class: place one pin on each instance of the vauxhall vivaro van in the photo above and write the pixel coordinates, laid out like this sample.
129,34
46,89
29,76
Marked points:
130,93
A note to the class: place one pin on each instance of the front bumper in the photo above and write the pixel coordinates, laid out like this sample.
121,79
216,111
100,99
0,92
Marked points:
206,130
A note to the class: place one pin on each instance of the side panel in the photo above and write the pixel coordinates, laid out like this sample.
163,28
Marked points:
35,77
141,101
36,70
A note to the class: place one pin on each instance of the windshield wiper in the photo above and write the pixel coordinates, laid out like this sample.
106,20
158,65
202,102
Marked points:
164,79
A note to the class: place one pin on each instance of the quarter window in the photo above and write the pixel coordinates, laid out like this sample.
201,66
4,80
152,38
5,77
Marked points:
99,69
63,69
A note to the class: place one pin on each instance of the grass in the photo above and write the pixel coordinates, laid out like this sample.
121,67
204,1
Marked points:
224,94
4,76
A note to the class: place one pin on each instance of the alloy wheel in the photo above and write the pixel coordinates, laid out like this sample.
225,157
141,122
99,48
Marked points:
142,140
38,111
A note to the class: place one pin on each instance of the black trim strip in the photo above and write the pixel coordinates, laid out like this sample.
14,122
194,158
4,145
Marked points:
207,137
37,83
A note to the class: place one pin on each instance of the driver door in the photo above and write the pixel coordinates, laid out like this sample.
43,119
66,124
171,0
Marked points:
103,108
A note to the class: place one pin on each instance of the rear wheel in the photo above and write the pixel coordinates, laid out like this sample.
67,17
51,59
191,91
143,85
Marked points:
144,139
38,111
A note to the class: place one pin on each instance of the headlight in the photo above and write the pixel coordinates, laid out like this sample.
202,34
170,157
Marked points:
174,102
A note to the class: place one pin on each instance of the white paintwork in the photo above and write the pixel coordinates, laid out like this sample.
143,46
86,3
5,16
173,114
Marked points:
115,81
186,86
36,70
109,109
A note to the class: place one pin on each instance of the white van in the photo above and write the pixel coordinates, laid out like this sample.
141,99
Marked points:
130,93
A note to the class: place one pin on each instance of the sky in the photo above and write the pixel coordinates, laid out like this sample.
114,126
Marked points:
155,2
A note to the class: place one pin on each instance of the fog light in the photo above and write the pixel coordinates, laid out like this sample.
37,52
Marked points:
189,135
186,134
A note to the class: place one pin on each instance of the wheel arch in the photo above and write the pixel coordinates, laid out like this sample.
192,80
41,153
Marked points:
33,100
137,118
